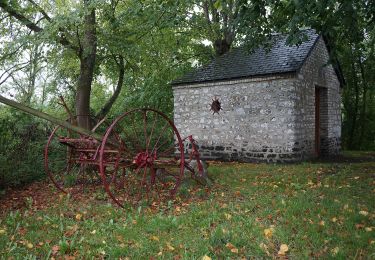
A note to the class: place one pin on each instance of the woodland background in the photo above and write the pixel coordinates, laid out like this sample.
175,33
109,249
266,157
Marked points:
106,57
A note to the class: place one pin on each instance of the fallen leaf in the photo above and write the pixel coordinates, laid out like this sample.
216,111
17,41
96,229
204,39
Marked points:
155,238
359,226
283,249
268,232
334,219
55,249
363,213
206,257
2,231
335,250
321,223
29,245
227,216
170,247
232,248
78,216
368,229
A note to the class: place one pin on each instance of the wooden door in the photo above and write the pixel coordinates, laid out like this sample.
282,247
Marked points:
317,121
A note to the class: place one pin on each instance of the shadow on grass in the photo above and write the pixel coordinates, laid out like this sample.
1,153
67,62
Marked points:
348,157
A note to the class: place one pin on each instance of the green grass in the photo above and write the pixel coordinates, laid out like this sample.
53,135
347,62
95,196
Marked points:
319,210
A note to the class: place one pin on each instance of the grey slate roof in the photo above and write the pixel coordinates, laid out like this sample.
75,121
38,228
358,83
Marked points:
239,63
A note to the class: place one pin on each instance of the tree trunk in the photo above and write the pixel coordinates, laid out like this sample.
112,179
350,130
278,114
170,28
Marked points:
221,47
107,107
364,103
87,58
355,108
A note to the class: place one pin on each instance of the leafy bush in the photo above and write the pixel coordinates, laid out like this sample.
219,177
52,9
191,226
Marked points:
22,139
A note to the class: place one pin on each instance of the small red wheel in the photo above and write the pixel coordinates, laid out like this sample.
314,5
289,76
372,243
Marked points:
61,161
141,157
65,161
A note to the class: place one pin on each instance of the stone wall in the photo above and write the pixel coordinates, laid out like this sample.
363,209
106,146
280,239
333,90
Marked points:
265,118
257,121
316,72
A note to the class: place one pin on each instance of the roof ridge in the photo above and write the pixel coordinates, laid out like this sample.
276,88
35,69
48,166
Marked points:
239,63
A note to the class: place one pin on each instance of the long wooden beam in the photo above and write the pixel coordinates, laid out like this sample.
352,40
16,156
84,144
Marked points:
50,118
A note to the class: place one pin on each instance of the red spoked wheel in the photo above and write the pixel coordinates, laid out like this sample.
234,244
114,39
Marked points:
141,158
61,161
69,159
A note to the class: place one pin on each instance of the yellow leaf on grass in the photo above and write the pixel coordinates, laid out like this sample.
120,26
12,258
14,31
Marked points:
368,229
155,238
363,213
206,257
170,247
268,232
29,245
335,251
78,216
283,249
334,219
2,231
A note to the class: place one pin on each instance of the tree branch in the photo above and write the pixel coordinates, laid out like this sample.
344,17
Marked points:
33,26
107,107
20,17
45,15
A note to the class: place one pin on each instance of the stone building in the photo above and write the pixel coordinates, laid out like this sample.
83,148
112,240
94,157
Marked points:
278,105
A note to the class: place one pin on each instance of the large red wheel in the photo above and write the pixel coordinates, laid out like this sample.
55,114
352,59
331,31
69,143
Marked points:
141,158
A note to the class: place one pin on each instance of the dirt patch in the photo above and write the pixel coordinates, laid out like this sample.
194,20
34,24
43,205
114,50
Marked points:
36,195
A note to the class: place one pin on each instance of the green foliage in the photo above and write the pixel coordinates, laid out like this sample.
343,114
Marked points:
22,139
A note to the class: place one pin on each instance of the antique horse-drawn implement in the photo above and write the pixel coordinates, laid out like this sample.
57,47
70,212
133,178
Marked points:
139,155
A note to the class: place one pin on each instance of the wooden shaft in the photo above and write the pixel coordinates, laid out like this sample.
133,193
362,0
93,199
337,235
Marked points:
49,118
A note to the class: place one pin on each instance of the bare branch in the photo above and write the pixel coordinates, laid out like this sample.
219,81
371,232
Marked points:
45,15
13,69
107,107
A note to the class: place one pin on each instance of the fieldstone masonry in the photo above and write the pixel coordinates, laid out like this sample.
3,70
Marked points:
264,118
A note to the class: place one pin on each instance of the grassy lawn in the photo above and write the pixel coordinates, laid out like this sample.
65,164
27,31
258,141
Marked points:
298,211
